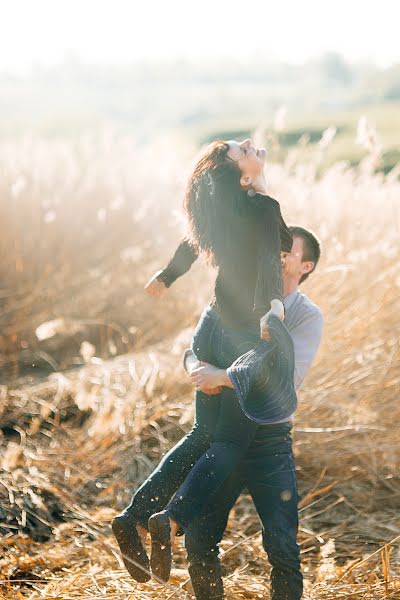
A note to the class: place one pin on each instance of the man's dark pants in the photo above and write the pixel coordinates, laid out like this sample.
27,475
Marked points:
269,475
268,472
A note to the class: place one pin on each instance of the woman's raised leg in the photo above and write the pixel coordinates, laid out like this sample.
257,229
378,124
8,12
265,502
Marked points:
233,435
161,484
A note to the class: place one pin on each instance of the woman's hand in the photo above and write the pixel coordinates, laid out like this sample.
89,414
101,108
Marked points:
277,309
155,288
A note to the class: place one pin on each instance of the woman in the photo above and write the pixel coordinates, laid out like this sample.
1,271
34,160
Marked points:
241,231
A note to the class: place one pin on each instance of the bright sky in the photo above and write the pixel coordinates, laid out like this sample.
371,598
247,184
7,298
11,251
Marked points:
120,31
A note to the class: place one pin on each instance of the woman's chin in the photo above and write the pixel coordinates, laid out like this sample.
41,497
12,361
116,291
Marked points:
262,154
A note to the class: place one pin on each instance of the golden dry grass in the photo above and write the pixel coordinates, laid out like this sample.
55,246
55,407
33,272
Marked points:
77,443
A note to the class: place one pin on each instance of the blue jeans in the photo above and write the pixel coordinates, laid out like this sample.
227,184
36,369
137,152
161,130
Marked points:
220,437
233,432
268,472
203,460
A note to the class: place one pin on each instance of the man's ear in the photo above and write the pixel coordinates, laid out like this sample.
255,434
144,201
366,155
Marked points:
245,181
307,266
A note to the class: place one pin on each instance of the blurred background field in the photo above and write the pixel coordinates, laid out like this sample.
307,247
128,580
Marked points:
94,156
198,101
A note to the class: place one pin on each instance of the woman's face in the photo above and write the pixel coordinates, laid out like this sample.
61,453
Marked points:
249,159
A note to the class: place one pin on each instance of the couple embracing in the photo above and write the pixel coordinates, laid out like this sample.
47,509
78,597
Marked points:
250,351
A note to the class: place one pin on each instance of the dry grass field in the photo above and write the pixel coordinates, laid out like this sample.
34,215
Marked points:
93,391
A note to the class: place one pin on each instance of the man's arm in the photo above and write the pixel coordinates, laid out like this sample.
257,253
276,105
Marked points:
180,263
306,340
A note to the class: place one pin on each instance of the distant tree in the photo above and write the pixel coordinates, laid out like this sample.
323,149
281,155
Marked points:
334,67
391,86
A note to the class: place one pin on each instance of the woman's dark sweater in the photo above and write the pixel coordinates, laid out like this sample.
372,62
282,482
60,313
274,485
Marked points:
251,276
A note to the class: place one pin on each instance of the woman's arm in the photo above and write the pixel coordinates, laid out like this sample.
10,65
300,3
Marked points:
180,263
269,277
285,234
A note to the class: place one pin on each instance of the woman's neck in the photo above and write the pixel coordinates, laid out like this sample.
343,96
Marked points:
260,184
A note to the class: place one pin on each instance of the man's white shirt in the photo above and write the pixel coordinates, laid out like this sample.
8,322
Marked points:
305,323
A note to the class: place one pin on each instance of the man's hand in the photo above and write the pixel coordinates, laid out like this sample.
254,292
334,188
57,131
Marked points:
210,379
155,288
192,363
277,309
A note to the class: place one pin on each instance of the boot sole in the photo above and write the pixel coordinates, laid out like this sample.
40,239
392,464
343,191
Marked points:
161,549
133,554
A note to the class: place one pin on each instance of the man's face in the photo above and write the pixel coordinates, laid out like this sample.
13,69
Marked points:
293,265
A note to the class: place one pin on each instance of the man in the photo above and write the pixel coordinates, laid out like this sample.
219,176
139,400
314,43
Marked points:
268,470
302,317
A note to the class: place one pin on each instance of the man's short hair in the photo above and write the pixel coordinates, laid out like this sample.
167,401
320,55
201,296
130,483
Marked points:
311,247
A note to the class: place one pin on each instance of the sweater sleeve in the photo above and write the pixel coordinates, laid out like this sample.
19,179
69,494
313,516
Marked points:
273,234
285,234
306,335
180,263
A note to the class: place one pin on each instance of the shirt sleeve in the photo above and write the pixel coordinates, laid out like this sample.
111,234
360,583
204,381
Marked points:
285,234
269,266
180,263
306,340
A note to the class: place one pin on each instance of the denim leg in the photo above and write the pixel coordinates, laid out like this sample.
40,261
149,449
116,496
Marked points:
233,435
157,489
271,481
202,539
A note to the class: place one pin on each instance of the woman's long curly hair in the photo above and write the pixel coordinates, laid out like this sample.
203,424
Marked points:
214,201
